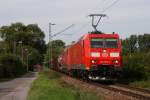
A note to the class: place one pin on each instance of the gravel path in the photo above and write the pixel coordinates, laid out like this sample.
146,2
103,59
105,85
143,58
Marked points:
18,88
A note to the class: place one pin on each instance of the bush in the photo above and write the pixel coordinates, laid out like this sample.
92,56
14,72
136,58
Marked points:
11,66
136,66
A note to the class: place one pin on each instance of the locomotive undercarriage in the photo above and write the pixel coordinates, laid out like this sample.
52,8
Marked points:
104,72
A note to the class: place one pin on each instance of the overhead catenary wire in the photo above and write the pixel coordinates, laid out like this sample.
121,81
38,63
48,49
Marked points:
63,30
104,10
110,5
82,27
87,23
99,4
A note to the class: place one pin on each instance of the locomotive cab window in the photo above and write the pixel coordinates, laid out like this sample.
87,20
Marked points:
97,43
104,43
111,43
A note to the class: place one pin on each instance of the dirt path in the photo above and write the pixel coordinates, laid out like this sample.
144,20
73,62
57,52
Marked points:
18,88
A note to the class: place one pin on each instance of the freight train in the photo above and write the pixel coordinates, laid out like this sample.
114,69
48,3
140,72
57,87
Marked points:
96,56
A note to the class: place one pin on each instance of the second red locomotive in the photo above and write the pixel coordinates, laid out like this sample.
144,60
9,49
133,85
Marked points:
96,56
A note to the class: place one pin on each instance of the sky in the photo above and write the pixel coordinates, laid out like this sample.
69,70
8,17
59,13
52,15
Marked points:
125,17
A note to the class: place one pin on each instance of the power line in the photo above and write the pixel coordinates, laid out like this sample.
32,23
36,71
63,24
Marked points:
99,4
63,30
85,25
110,6
101,12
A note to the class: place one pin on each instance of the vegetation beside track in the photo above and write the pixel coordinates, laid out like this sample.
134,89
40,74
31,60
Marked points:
136,70
136,61
50,86
141,84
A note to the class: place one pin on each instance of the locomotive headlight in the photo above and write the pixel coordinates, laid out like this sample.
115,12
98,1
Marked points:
115,61
114,54
93,61
95,54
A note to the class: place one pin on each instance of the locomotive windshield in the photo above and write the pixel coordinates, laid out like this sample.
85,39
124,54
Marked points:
104,43
97,43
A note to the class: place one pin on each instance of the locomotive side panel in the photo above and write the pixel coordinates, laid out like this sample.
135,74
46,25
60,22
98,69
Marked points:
86,52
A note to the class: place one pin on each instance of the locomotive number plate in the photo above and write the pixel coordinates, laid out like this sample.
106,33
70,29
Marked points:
104,54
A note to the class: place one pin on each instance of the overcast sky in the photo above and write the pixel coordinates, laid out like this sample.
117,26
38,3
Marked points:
125,17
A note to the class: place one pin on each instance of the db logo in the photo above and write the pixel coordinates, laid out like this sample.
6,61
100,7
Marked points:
104,54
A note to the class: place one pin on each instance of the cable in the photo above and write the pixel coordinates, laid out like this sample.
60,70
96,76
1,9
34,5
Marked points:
85,25
103,11
110,6
63,30
100,4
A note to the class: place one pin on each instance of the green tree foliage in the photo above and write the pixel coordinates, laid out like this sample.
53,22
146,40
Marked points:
144,41
57,48
129,44
136,60
31,54
136,67
4,47
29,35
25,42
11,66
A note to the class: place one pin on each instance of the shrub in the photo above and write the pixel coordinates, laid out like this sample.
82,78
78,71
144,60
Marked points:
136,66
11,66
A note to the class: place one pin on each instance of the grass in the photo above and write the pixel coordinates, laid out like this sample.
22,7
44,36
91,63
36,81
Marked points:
49,86
141,84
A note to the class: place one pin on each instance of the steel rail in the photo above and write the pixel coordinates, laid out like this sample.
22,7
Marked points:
128,91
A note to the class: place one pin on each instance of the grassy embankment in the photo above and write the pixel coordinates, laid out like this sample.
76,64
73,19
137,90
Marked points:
141,84
50,86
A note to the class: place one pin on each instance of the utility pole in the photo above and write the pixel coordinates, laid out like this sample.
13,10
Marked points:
28,61
20,42
50,44
50,40
14,49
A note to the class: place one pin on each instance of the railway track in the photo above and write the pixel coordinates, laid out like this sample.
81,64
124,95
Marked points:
134,88
135,93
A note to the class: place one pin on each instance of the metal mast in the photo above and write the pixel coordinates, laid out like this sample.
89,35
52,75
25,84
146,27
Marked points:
50,41
94,25
50,45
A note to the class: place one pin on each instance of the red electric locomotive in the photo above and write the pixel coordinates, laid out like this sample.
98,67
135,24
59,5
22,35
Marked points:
96,56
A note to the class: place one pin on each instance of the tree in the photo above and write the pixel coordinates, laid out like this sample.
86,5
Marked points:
137,64
29,35
24,41
129,44
4,47
144,41
57,48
